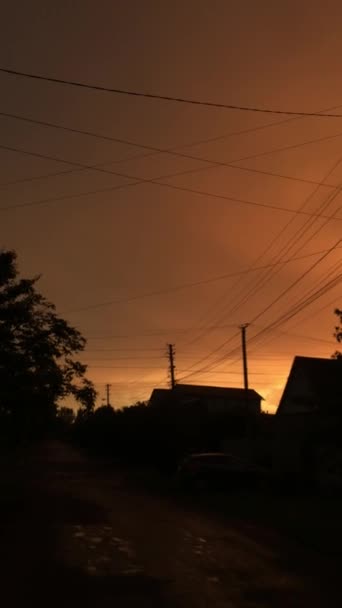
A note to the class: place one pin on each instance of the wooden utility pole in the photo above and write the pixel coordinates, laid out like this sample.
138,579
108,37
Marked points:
245,367
108,394
244,355
172,367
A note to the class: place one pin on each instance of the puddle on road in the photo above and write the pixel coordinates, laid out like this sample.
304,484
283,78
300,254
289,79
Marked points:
133,571
99,553
125,547
199,545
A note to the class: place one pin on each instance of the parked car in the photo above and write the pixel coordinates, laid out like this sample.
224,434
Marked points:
220,470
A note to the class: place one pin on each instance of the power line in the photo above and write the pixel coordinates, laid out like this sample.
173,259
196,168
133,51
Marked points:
292,312
301,305
303,337
151,334
281,295
271,272
288,147
177,99
56,159
294,239
142,358
46,201
158,150
231,373
216,350
125,367
33,178
268,125
208,161
128,383
138,181
298,280
327,273
240,200
171,330
323,287
118,349
297,307
132,383
316,312
188,285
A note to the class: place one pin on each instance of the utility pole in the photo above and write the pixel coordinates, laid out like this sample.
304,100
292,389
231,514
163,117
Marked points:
248,428
172,367
244,355
108,394
245,369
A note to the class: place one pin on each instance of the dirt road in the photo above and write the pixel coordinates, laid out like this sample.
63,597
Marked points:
75,534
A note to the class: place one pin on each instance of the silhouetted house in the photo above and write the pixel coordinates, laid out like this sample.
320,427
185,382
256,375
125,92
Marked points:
160,397
210,399
202,418
313,386
308,422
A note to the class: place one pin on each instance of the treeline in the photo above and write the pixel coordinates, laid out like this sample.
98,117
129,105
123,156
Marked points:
158,437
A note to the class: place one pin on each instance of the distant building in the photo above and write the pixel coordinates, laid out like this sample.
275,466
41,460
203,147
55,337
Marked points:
211,399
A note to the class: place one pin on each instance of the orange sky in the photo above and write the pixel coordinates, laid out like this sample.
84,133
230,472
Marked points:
110,248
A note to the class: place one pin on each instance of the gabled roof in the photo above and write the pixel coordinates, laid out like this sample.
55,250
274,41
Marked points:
314,384
162,395
215,391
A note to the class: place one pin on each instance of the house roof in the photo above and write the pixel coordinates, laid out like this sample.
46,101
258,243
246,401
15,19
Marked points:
314,384
162,395
215,391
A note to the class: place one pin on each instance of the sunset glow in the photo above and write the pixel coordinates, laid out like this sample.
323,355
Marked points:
234,227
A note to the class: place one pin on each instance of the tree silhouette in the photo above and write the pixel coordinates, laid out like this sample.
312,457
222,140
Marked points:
37,348
338,333
66,416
